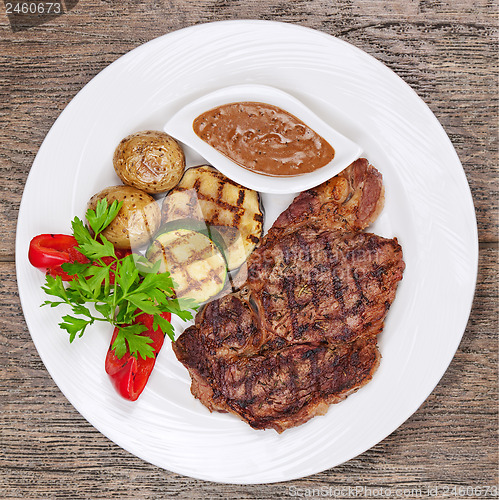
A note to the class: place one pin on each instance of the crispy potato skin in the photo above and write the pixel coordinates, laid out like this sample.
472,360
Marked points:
149,160
136,222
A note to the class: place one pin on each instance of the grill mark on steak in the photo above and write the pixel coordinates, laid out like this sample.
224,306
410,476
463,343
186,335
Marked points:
301,333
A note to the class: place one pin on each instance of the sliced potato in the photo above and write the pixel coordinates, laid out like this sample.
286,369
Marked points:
194,262
206,194
136,222
151,160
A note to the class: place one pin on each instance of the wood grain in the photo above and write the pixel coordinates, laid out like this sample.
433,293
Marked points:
49,450
447,52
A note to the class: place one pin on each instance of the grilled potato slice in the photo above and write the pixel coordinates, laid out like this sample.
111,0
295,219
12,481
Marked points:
204,193
194,262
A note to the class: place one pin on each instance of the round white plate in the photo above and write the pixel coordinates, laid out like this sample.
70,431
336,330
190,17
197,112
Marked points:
428,207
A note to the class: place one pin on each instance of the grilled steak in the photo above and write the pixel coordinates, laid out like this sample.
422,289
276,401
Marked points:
301,333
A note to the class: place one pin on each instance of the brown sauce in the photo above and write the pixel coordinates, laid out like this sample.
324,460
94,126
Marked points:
263,138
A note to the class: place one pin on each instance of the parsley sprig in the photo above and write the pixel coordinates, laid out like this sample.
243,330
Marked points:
114,290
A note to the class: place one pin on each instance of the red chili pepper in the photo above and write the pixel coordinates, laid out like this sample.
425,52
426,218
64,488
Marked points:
129,375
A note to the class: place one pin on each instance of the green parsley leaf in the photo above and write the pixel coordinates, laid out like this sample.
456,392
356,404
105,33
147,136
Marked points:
74,326
97,249
129,337
143,302
81,310
96,276
73,268
103,215
54,286
104,309
126,274
118,288
80,232
165,326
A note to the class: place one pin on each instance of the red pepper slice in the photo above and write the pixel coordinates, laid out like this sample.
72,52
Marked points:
49,250
74,256
129,375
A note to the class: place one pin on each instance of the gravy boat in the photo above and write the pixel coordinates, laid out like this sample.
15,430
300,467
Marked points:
180,127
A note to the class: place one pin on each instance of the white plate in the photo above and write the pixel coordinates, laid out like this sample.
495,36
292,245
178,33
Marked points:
428,207
180,127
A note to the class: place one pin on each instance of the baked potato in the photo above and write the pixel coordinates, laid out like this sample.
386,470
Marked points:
136,222
149,160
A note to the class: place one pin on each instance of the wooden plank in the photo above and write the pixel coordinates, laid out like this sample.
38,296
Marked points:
449,58
49,450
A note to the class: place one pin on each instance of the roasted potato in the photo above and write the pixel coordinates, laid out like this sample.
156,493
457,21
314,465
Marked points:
136,222
150,160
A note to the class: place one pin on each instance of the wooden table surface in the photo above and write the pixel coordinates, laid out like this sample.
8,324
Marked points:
447,52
